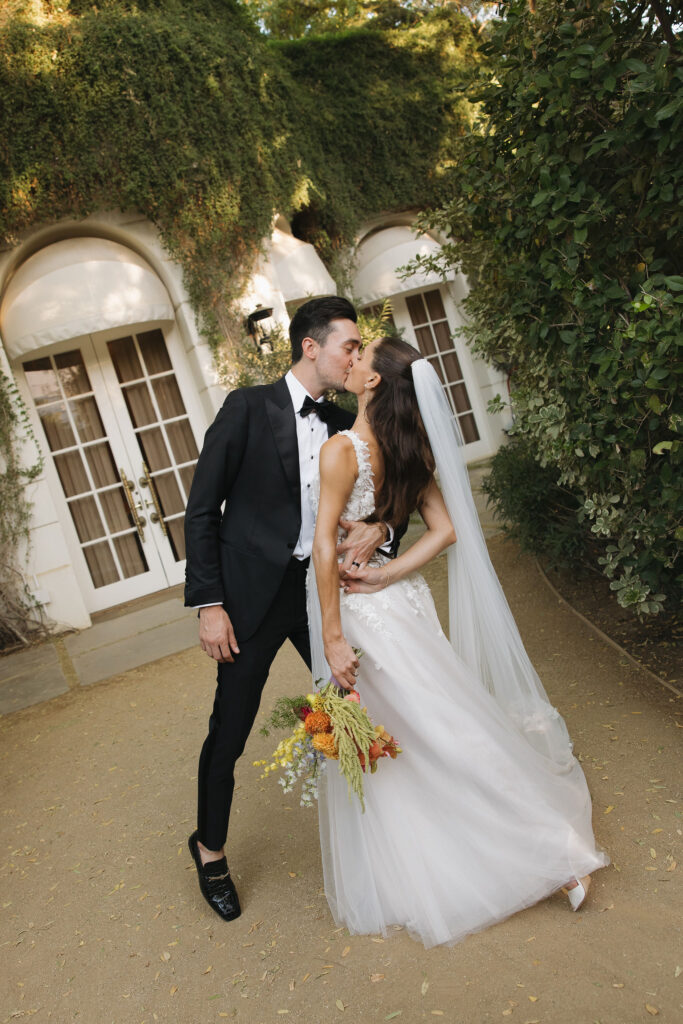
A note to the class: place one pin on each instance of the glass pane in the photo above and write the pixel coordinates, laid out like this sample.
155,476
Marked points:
125,359
101,464
176,535
416,308
186,475
461,398
169,494
139,402
131,557
116,510
56,426
435,305
87,418
153,448
72,473
72,373
101,564
451,366
437,366
182,441
443,335
42,381
469,428
87,519
168,397
154,352
425,341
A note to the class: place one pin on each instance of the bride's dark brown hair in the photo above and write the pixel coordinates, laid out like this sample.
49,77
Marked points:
395,420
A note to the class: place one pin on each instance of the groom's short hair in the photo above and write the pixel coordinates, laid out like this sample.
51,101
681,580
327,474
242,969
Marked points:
313,319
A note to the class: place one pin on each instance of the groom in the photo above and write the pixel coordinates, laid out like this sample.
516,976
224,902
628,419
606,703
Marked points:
249,531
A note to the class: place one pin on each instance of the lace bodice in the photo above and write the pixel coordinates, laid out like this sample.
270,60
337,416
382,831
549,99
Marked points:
361,501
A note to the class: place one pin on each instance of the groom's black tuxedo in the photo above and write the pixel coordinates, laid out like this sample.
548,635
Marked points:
242,523
250,462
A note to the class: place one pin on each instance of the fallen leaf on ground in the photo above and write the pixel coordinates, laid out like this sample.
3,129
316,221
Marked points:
609,809
346,950
209,968
652,1009
424,987
340,1006
376,977
395,1013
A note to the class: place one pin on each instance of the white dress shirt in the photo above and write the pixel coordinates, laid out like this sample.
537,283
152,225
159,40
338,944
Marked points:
311,434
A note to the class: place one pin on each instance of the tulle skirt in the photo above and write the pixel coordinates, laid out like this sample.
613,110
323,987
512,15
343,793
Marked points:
469,824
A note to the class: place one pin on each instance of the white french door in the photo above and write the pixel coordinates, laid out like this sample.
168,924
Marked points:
124,451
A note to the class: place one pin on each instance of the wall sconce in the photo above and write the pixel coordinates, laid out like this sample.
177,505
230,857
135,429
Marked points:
259,328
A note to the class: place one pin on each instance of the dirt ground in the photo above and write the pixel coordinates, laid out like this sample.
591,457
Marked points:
103,922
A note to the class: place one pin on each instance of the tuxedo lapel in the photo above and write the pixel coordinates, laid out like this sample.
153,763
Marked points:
339,419
281,415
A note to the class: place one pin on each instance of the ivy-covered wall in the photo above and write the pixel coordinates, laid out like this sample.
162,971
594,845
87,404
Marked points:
188,114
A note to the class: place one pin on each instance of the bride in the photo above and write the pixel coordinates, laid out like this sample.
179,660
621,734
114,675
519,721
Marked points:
486,811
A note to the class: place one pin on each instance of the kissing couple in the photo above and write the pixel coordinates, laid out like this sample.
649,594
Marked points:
292,531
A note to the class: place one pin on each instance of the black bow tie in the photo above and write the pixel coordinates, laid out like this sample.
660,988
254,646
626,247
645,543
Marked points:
321,409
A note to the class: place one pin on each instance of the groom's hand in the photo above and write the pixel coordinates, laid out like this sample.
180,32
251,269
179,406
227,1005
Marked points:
216,635
361,542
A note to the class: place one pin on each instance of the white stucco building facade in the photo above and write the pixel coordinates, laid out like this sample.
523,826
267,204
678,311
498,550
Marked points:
98,334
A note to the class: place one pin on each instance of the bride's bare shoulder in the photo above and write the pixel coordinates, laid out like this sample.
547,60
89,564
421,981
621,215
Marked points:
337,455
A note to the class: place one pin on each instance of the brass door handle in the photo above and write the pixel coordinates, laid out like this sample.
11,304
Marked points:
128,491
157,516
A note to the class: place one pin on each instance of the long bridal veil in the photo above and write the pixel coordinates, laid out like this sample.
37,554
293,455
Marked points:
483,631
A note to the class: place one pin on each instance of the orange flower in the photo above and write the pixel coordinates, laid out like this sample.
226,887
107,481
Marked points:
324,742
318,721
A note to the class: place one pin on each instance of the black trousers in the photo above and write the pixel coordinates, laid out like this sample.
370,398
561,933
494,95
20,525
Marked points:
238,695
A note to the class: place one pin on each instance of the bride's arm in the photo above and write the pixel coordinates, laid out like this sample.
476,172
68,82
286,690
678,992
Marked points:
438,536
337,477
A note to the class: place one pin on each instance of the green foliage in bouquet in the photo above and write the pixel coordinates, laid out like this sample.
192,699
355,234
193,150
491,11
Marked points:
353,734
565,214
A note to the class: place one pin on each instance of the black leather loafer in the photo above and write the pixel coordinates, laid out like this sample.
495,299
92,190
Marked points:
215,884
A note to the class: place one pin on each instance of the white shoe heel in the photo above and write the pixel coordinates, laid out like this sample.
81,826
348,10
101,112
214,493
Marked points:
577,895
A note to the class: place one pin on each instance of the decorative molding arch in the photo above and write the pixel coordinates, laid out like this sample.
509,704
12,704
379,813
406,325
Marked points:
379,255
79,286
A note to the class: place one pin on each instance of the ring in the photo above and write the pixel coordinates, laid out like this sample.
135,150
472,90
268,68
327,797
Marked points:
357,564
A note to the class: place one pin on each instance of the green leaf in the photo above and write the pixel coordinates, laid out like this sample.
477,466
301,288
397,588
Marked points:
668,111
663,446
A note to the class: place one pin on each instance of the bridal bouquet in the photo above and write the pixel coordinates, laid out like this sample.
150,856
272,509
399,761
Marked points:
329,725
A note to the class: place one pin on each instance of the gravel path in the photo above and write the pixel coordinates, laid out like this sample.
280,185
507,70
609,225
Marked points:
102,920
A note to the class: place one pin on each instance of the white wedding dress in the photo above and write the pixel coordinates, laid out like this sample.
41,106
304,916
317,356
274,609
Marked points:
470,823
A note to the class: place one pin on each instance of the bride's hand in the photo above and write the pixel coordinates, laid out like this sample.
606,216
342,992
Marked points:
342,661
368,580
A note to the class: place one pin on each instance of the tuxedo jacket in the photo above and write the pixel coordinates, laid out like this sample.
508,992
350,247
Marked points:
243,515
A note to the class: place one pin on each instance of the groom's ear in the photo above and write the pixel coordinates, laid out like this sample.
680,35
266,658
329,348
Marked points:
310,348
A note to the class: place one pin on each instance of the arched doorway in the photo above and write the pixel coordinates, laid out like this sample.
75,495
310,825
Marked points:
90,330
425,308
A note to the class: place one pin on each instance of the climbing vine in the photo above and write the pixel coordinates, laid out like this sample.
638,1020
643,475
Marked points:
20,616
188,114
